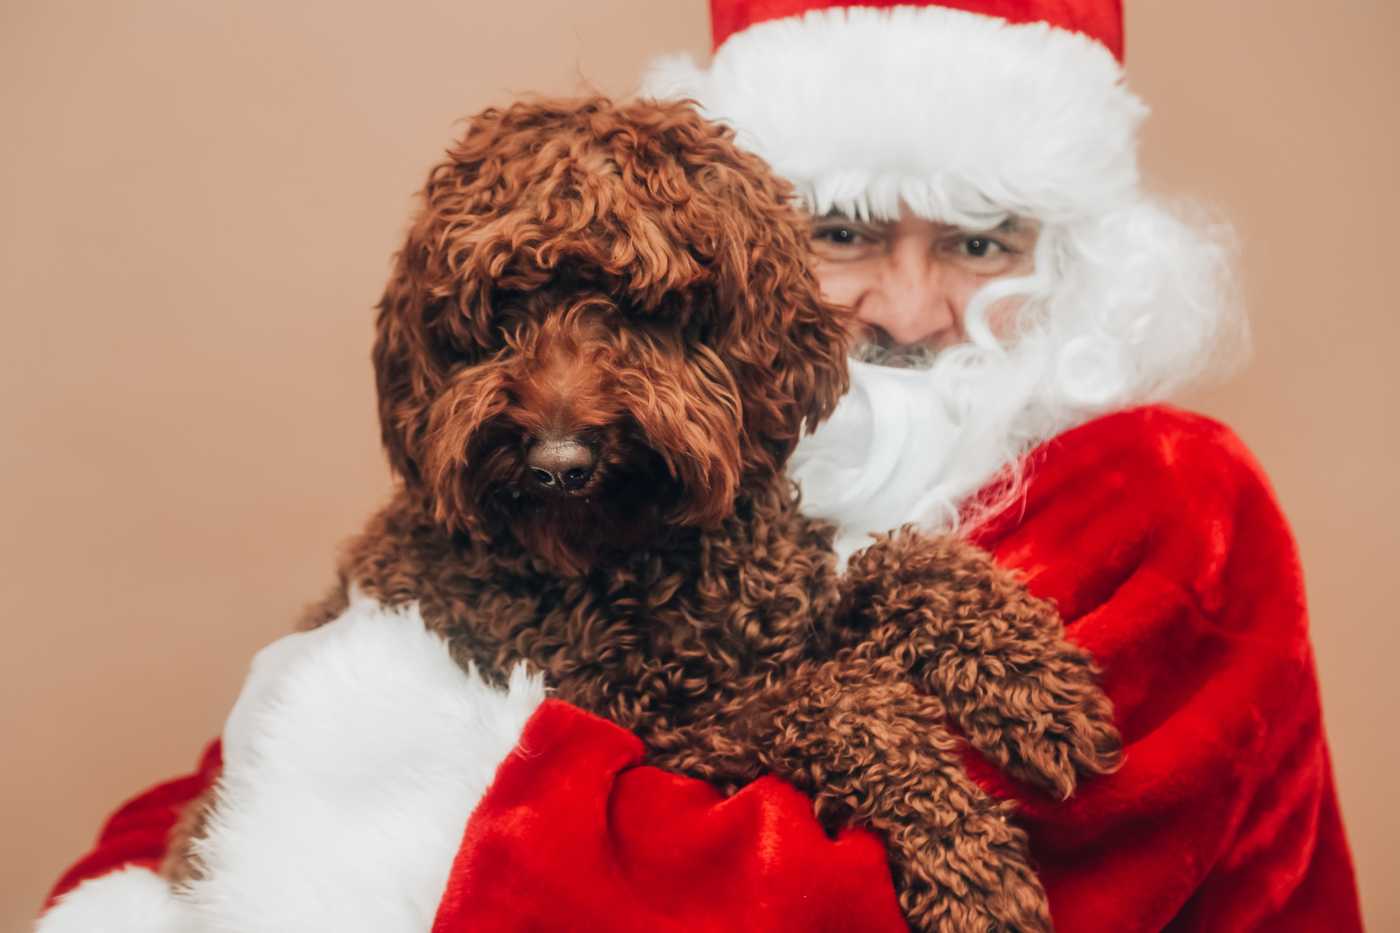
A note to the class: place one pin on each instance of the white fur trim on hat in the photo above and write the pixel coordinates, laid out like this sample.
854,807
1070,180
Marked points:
958,115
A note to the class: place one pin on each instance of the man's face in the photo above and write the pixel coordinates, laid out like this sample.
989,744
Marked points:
909,280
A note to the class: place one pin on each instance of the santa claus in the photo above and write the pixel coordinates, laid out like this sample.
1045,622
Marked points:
1024,305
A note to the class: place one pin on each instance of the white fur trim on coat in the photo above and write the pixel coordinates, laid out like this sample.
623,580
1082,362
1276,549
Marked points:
352,761
960,116
352,770
133,900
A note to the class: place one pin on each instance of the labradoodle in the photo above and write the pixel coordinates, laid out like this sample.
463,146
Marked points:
599,345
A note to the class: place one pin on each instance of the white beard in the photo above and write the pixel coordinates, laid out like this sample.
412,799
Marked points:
913,445
887,442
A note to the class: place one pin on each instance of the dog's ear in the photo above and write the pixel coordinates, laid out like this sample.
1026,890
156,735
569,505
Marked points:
785,346
436,309
403,365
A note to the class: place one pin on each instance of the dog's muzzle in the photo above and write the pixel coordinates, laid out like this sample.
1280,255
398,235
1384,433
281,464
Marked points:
560,465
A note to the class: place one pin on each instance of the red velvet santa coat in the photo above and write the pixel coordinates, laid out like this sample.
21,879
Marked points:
1159,539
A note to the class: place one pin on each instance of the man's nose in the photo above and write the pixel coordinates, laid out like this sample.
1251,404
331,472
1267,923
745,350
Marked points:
911,301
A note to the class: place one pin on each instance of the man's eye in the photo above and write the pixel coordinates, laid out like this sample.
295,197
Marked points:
980,247
844,240
840,235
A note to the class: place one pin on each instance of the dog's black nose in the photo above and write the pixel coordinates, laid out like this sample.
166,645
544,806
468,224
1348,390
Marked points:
561,464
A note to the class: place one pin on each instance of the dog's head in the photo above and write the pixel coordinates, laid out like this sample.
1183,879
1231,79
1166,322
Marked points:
602,323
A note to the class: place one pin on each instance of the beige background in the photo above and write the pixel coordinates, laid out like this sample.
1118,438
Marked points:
198,204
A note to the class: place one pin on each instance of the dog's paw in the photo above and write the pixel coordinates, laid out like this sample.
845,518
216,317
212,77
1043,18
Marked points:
978,879
1047,730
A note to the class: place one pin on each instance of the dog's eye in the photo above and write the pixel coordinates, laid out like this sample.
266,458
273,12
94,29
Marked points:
699,329
679,316
506,326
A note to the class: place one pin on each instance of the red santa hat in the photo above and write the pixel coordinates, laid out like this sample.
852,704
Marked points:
961,109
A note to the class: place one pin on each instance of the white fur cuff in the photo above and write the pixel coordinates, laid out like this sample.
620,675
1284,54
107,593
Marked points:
133,900
353,760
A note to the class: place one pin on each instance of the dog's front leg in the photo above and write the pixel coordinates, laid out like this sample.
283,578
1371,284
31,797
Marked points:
972,634
871,750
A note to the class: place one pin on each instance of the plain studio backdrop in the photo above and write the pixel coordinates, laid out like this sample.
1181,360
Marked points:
199,203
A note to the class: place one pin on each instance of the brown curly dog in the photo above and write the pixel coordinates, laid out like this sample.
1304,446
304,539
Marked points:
597,350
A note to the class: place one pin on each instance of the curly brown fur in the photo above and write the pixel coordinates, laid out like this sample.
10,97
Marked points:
872,749
974,636
622,280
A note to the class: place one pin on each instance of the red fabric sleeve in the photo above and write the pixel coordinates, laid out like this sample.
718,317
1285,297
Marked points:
574,835
1157,536
136,834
